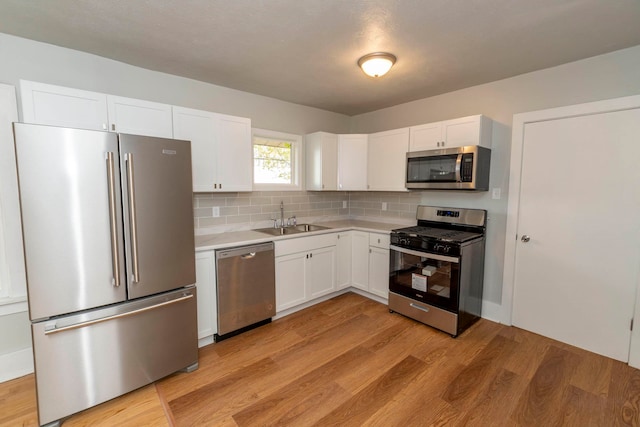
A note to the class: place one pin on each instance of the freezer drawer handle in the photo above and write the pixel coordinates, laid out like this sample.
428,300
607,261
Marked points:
117,316
133,223
115,251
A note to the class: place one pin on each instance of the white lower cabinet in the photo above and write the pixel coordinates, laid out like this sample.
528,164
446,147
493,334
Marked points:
360,260
379,272
206,286
370,263
343,260
305,269
290,278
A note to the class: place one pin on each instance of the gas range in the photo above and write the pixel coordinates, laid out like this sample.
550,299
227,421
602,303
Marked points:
436,268
441,230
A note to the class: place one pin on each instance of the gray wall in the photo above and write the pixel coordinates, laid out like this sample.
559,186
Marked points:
40,62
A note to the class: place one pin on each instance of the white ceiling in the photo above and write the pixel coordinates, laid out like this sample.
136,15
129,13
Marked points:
305,51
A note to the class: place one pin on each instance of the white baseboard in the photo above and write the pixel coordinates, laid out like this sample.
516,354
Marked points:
491,311
16,364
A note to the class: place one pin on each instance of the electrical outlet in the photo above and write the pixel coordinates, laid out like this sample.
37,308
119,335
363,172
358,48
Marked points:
216,211
495,194
384,206
344,204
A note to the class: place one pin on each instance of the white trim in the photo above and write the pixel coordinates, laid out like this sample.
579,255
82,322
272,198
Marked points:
296,161
13,305
12,275
491,311
519,122
16,364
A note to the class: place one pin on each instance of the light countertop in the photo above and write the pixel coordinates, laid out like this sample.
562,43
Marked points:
248,237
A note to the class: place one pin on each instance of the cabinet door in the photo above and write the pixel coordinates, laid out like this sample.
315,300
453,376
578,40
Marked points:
235,158
472,130
387,160
425,137
343,260
352,162
199,127
138,117
206,285
379,272
60,106
290,281
321,161
321,272
360,260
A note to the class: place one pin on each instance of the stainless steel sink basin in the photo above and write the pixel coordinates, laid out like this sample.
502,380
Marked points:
309,227
279,231
300,228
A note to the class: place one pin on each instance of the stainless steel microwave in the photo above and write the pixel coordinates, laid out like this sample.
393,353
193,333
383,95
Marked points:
460,168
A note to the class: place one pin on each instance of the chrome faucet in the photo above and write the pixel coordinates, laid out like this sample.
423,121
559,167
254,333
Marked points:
281,214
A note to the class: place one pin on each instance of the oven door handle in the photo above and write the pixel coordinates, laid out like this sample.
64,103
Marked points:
425,254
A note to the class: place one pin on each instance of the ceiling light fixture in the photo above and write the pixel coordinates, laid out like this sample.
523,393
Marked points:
377,64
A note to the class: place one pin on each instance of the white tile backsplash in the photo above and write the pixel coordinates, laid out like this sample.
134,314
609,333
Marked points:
243,211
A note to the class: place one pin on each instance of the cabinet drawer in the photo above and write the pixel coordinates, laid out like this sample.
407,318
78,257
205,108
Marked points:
379,240
305,243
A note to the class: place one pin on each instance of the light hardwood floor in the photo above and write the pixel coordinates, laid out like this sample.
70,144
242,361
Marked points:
349,362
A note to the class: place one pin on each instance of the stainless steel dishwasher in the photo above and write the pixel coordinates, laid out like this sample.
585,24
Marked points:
246,288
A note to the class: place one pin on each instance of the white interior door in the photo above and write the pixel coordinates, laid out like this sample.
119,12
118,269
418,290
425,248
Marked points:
575,279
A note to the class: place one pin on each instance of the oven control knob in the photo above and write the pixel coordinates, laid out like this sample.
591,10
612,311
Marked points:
446,249
437,247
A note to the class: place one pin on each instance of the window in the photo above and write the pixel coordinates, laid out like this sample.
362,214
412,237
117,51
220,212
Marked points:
276,160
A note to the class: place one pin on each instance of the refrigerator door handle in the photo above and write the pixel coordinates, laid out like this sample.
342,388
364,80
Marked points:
115,251
117,316
133,224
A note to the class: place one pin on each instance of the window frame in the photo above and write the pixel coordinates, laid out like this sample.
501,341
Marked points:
296,160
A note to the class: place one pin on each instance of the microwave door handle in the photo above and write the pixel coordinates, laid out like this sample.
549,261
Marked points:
458,166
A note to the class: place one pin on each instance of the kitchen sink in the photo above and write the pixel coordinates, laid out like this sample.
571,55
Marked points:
309,227
295,229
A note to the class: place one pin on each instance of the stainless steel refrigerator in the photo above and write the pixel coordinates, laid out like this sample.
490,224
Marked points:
109,252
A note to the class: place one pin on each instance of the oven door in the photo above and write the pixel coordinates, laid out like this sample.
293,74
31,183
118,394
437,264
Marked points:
426,277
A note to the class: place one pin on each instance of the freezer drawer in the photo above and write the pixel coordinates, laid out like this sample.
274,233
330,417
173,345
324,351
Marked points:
86,359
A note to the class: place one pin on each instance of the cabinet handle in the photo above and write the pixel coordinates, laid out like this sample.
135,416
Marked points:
215,186
338,237
369,250
113,126
307,256
378,240
323,186
310,255
220,186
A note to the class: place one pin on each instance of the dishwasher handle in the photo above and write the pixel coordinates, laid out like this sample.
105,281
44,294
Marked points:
244,252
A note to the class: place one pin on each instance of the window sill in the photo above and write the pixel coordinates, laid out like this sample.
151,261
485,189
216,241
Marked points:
276,187
13,305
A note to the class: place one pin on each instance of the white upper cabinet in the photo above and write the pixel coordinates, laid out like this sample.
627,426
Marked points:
235,153
138,117
472,130
60,106
221,157
387,158
352,162
321,161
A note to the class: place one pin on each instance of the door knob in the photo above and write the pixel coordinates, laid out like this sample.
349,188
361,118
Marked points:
525,238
